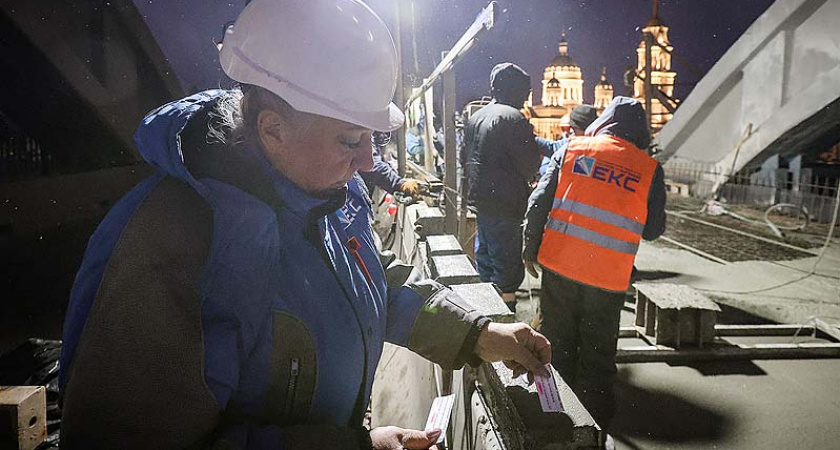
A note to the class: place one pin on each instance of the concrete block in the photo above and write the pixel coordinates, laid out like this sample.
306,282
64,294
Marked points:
429,222
23,417
453,269
650,319
641,305
442,245
676,315
667,328
520,419
485,298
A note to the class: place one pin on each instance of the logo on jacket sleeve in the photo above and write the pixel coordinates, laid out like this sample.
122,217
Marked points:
584,165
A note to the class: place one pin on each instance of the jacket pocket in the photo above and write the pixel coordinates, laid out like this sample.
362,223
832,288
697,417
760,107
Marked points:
294,371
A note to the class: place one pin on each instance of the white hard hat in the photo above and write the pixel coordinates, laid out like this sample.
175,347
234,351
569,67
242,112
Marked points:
333,58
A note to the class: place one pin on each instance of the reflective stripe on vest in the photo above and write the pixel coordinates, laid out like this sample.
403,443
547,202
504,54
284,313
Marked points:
599,212
592,236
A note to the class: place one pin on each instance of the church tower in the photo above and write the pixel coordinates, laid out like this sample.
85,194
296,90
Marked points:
562,80
662,77
603,92
562,90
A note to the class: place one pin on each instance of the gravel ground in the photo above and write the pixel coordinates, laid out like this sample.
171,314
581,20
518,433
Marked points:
731,246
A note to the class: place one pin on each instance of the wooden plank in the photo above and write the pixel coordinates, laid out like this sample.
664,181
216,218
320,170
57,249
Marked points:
645,354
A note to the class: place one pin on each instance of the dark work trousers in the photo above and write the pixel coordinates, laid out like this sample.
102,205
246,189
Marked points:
582,324
498,251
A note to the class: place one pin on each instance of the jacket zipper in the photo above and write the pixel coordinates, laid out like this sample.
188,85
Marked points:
291,389
353,245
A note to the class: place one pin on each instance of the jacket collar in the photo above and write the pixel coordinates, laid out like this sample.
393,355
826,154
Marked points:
294,199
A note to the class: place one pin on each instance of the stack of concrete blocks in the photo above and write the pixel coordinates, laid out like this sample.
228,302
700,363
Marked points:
492,410
675,315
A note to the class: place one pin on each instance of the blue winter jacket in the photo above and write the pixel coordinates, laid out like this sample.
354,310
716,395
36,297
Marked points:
217,302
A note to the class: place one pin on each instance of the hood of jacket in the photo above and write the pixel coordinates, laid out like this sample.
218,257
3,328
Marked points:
623,118
509,84
159,135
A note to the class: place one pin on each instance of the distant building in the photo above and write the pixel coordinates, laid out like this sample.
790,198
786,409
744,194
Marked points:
603,92
662,77
562,90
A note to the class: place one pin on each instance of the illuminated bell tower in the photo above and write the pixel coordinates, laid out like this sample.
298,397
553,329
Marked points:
603,92
662,77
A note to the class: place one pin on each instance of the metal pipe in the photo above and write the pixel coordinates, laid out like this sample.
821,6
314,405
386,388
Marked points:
399,97
485,21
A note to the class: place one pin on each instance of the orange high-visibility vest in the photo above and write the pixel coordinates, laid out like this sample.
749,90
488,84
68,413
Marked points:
600,208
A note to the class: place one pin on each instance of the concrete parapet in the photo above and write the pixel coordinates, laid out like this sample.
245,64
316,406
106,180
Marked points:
519,418
491,411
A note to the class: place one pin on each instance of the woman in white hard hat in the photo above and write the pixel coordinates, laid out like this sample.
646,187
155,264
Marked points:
235,297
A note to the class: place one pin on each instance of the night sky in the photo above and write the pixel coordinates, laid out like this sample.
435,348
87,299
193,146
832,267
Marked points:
600,33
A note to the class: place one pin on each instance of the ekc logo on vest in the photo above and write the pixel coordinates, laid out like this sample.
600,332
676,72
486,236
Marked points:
607,172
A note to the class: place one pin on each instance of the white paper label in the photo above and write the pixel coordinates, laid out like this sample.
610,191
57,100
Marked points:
549,395
439,415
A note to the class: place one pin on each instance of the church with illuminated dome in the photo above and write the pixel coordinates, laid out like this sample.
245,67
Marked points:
562,90
562,84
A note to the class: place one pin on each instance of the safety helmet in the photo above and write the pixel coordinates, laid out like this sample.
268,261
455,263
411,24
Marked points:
333,58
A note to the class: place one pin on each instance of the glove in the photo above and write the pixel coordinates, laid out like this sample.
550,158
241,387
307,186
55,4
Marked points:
411,187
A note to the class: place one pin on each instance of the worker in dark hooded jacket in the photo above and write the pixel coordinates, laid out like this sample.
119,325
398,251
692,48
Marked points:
501,157
600,196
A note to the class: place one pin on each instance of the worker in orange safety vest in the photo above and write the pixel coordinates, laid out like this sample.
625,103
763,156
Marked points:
598,199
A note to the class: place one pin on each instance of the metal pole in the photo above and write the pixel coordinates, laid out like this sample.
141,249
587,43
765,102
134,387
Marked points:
648,81
450,170
400,94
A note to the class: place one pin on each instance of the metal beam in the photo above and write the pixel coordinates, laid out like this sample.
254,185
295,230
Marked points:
646,354
742,330
485,21
399,96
